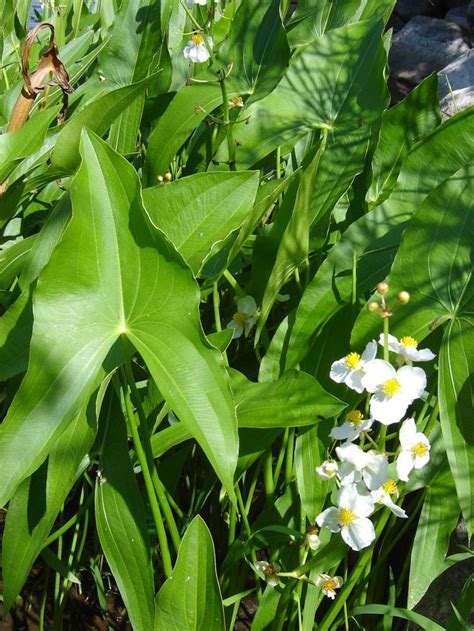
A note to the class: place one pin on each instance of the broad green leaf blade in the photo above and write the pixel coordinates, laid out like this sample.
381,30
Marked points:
419,113
456,397
199,211
23,142
190,598
111,275
37,502
336,82
438,519
12,259
257,48
433,263
15,334
396,612
96,116
311,448
121,521
296,399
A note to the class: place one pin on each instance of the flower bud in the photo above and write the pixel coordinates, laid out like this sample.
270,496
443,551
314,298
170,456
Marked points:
373,306
403,297
168,177
383,288
159,178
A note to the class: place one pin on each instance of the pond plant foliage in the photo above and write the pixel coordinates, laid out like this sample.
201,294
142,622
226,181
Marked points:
236,319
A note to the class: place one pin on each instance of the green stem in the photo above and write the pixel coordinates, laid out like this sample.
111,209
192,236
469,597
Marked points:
227,123
157,484
232,524
354,278
281,457
290,448
65,527
268,474
248,530
385,338
150,490
233,283
253,486
44,597
217,315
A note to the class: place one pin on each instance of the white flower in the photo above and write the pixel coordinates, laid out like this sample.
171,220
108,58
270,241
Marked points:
350,517
269,571
312,538
407,350
393,390
353,427
191,3
245,317
415,449
383,496
329,584
350,369
327,470
196,49
356,465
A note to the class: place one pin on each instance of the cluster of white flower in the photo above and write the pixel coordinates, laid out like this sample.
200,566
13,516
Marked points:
365,477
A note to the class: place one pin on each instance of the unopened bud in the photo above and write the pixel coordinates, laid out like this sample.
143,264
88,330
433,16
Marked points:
383,288
373,306
160,178
168,176
403,297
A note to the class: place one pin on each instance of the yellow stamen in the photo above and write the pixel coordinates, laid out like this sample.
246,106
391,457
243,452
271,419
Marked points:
240,317
329,585
390,487
197,38
419,449
390,387
409,341
352,360
346,516
354,416
236,101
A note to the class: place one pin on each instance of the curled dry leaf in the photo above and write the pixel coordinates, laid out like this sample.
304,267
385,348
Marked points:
36,81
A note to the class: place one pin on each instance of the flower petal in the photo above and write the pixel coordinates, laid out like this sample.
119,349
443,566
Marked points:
370,351
339,371
247,305
388,410
329,518
376,372
405,463
407,433
238,329
343,432
354,380
358,534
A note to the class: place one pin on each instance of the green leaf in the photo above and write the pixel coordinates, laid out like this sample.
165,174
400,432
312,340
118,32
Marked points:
296,399
37,502
373,240
121,521
199,211
336,82
397,612
438,519
311,448
266,610
456,388
12,260
257,48
419,113
23,142
190,598
58,566
15,334
97,116
111,275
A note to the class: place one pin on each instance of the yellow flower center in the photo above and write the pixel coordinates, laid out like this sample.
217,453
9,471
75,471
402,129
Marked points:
240,317
390,387
355,417
409,341
419,449
346,516
237,101
352,360
390,487
197,38
329,585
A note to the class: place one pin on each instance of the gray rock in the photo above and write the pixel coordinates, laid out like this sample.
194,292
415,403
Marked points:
425,45
457,75
456,102
458,15
407,9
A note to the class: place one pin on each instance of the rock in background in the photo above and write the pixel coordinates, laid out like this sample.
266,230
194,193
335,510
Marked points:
434,36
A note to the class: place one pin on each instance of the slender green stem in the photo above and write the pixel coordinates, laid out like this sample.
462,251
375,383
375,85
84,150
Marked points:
268,474
233,283
386,325
248,530
354,278
278,163
157,484
65,527
150,490
290,448
281,457
253,486
44,597
231,147
160,416
217,315
57,591
232,524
